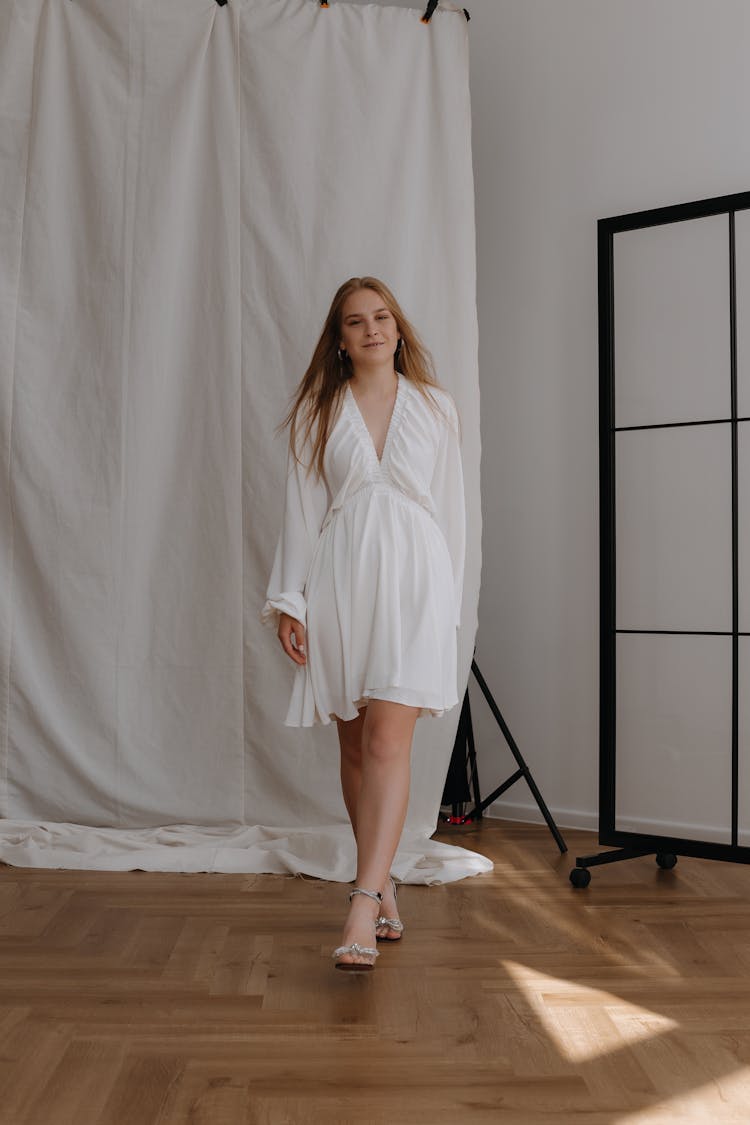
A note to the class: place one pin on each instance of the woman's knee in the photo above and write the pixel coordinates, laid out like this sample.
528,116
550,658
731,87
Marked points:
386,742
384,750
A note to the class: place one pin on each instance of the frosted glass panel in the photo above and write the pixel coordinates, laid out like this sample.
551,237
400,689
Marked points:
672,343
743,741
743,522
674,528
742,249
674,736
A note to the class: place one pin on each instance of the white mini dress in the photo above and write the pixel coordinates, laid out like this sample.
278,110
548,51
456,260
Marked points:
371,561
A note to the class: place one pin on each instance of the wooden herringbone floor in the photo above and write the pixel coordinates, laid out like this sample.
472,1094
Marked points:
137,998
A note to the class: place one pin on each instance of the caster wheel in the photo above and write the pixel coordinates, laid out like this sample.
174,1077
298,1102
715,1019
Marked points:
666,860
580,877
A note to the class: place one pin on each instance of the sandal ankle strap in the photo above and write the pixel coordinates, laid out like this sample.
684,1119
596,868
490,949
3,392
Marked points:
370,894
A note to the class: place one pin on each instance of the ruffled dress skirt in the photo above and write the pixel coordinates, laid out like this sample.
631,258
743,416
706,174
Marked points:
380,617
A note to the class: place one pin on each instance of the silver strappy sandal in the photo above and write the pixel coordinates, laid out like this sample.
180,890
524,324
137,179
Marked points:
355,947
394,924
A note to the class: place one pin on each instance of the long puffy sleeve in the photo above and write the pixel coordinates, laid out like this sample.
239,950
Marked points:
447,488
305,507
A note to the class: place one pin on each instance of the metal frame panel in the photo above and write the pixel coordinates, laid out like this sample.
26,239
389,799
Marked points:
638,842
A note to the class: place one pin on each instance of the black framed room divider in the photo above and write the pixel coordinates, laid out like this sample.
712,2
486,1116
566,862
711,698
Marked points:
674,471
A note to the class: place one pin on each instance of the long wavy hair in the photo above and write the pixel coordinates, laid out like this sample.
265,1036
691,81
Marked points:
317,398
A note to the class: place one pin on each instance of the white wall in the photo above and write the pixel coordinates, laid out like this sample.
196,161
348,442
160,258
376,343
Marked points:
582,109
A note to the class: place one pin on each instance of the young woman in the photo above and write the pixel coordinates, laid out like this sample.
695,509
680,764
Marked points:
367,578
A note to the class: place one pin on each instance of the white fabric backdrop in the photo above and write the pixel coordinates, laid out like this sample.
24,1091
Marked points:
182,188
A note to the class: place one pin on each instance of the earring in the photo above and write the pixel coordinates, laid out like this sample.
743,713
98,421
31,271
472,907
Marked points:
342,354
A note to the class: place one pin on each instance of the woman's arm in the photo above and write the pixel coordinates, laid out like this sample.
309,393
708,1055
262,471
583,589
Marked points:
305,506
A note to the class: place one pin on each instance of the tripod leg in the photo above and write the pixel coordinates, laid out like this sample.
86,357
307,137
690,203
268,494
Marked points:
456,787
471,750
523,768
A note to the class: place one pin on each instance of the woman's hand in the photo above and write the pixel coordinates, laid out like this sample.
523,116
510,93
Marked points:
290,627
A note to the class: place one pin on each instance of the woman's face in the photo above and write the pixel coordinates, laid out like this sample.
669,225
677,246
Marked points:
369,332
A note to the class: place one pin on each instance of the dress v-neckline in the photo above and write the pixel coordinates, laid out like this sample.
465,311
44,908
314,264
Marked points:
366,432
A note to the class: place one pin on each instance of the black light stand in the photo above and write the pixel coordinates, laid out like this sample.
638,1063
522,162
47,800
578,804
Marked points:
462,770
464,763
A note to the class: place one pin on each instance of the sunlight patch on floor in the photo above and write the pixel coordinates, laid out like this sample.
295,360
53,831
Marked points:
724,1100
584,1022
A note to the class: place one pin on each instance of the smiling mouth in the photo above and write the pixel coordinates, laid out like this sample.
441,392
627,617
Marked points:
379,344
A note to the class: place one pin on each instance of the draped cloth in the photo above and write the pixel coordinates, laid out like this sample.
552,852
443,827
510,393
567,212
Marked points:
184,185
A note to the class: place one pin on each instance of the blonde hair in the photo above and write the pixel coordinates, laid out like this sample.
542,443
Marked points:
324,383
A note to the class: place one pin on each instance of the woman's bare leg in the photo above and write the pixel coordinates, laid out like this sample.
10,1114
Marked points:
378,818
350,743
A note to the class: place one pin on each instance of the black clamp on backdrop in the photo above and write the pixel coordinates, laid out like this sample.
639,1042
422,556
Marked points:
430,10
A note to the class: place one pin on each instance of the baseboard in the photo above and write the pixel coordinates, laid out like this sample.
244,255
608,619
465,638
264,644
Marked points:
589,821
530,814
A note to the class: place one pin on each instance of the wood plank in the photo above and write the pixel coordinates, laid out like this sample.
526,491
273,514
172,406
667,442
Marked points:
144,998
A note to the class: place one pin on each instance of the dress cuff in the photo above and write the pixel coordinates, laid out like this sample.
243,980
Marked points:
292,603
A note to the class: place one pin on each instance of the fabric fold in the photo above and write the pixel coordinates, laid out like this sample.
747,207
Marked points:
327,853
